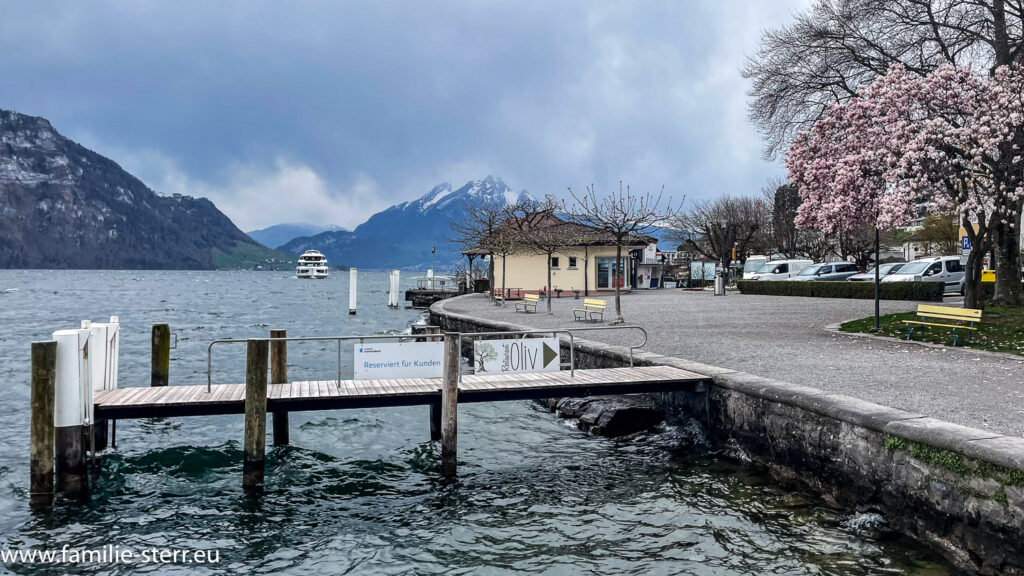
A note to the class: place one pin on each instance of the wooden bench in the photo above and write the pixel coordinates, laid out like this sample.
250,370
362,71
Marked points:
591,307
528,301
935,315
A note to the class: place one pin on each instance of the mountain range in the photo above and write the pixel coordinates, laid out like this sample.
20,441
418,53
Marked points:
278,234
65,206
403,235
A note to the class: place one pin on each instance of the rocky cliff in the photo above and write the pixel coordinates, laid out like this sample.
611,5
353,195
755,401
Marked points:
65,206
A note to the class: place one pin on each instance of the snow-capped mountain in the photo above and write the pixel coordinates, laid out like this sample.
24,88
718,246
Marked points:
403,235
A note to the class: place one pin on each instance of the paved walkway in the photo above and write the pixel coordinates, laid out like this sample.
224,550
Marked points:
785,338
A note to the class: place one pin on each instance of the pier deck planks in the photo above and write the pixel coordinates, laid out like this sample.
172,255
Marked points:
166,401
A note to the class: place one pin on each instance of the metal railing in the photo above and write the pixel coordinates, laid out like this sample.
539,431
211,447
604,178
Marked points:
338,339
426,337
622,327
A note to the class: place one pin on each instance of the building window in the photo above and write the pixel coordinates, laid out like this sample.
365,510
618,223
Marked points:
572,262
608,274
554,261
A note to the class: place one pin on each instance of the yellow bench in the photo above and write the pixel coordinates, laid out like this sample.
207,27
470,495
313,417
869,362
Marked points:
933,315
591,307
528,301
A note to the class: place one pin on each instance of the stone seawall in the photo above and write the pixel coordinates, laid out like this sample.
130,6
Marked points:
958,489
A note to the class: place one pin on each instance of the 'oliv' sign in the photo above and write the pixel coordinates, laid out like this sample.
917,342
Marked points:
513,356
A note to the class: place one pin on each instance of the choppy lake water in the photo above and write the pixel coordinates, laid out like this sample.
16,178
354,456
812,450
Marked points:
360,492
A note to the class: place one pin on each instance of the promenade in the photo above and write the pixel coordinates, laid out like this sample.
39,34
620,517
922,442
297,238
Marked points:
786,338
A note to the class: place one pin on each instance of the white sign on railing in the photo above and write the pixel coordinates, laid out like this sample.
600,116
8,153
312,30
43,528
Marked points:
518,355
398,360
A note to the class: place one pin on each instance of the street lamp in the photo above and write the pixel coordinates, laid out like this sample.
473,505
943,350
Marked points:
433,251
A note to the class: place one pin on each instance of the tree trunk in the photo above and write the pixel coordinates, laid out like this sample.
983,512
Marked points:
973,296
617,281
1008,289
980,243
550,288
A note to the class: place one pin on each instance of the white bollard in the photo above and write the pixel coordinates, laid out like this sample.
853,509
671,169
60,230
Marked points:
72,408
352,273
393,289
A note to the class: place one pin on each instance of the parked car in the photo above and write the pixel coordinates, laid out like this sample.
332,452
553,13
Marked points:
780,269
945,269
883,271
826,272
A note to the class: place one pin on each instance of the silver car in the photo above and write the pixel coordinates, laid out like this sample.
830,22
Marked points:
826,272
883,271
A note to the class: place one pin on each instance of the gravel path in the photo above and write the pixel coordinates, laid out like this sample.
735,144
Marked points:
785,338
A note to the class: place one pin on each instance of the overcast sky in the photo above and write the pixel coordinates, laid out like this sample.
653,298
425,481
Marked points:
326,112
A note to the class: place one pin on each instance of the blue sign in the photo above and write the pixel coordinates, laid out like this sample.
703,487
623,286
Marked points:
965,243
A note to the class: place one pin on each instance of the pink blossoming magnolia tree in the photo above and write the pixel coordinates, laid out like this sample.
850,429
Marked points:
949,140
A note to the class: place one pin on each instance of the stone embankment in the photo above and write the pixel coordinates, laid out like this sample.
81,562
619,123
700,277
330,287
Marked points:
956,488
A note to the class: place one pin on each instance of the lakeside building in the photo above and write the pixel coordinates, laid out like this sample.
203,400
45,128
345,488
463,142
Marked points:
586,262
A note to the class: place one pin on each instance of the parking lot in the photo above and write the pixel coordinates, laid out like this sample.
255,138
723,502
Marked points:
786,338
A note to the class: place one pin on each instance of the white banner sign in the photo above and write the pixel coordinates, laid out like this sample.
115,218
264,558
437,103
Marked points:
398,360
523,355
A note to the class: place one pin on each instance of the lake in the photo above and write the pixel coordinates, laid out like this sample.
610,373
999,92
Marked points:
360,491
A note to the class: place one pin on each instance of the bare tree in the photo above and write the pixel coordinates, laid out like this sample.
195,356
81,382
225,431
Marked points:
539,230
482,220
715,228
624,217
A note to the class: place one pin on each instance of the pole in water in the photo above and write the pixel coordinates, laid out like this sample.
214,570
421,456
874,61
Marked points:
72,390
450,405
279,375
435,408
352,274
255,415
161,355
393,285
44,369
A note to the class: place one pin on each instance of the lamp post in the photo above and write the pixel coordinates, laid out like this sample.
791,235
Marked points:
878,263
433,250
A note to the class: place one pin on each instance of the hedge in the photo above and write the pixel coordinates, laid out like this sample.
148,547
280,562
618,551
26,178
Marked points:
860,290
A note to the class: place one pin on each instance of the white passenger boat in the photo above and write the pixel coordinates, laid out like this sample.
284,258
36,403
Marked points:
312,264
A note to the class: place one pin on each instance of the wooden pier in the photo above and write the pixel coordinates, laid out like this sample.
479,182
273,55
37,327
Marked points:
260,395
168,401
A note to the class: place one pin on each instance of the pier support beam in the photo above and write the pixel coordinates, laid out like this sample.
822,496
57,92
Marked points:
279,375
435,409
449,406
161,358
257,352
44,372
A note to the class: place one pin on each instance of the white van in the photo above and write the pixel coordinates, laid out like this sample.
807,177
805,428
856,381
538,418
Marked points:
752,264
780,269
945,269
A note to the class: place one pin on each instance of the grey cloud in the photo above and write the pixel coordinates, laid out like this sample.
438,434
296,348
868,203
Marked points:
393,97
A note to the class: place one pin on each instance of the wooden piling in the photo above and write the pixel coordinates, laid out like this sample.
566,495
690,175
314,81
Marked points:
432,334
256,355
279,375
44,372
161,357
449,406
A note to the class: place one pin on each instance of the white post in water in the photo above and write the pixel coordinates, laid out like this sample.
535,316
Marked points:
393,289
72,405
104,345
352,272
